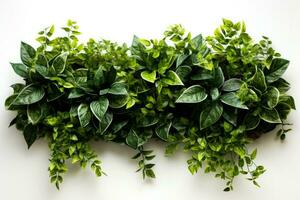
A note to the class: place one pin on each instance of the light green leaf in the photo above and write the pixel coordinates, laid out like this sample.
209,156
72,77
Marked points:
29,95
172,78
210,115
233,100
193,94
99,107
149,76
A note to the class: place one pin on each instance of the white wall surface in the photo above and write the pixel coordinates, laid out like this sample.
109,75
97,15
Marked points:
23,173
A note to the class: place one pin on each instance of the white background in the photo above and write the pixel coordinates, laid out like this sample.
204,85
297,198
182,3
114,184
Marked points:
23,173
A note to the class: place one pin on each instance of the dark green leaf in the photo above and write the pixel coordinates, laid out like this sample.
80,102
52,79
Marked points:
29,95
27,53
20,69
162,130
277,68
210,115
232,84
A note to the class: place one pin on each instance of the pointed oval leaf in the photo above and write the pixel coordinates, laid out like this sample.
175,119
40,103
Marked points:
84,114
232,84
132,139
172,78
27,53
277,69
99,107
20,69
118,89
29,95
233,100
210,115
30,134
105,122
270,115
272,96
193,94
162,131
34,113
59,63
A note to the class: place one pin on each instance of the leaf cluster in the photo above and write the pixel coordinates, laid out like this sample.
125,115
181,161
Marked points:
208,96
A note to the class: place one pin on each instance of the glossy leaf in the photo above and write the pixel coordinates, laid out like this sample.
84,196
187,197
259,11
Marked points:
193,94
99,107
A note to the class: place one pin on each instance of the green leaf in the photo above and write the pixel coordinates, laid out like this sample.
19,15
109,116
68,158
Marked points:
233,100
118,89
270,115
287,99
258,80
84,114
162,131
193,94
180,59
117,126
27,53
105,122
20,69
277,69
251,121
197,41
99,76
34,113
149,76
218,78
183,72
99,107
59,63
232,84
30,134
272,97
29,95
132,139
172,78
118,101
210,115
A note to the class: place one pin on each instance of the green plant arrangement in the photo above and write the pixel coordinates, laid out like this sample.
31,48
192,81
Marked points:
210,97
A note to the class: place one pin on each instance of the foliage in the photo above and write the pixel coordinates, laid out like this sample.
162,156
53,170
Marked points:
211,97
